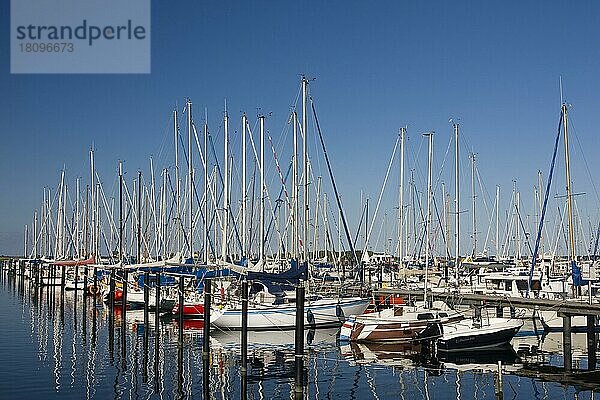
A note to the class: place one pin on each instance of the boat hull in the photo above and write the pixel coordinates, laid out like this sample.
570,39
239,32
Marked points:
464,337
318,314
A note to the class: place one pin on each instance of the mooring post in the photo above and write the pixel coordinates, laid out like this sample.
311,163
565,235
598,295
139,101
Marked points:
180,309
146,298
85,281
299,342
157,301
111,294
125,274
498,387
244,341
206,340
84,301
591,342
567,350
62,278
95,287
206,332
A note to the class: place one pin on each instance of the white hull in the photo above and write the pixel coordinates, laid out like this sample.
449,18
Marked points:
318,314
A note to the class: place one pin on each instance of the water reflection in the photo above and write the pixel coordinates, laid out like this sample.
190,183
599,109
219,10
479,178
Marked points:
77,349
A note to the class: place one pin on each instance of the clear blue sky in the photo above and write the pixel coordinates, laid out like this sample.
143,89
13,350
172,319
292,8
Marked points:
379,65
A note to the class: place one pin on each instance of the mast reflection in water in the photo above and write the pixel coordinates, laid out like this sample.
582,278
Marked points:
55,347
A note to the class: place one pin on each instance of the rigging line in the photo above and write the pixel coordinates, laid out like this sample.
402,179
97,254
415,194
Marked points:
587,167
524,230
441,227
337,196
439,177
546,195
387,174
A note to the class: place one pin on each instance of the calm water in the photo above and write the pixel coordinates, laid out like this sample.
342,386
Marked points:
57,349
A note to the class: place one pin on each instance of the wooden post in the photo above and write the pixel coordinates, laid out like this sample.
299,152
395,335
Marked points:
124,314
206,340
567,350
591,342
499,394
111,294
180,309
244,341
299,342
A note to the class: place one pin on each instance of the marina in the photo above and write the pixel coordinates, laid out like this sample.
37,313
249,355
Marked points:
66,338
299,200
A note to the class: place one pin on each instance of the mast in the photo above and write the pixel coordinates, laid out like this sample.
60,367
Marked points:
474,227
569,195
92,197
316,232
206,226
262,192
177,188
86,228
190,178
120,212
164,213
295,189
25,244
401,205
497,222
456,204
35,242
77,235
429,135
225,187
244,197
139,219
305,169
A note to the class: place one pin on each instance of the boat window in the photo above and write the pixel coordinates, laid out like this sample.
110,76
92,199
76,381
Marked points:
508,285
425,316
443,314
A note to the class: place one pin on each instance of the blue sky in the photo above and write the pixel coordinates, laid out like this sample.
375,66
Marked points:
378,66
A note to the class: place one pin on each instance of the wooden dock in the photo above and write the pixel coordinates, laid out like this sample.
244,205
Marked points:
563,307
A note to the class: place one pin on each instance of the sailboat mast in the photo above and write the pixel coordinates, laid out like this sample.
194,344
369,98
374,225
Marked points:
225,187
429,135
497,222
473,197
262,191
401,204
206,232
120,212
92,197
305,169
244,197
177,187
456,204
568,181
295,189
139,218
190,178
